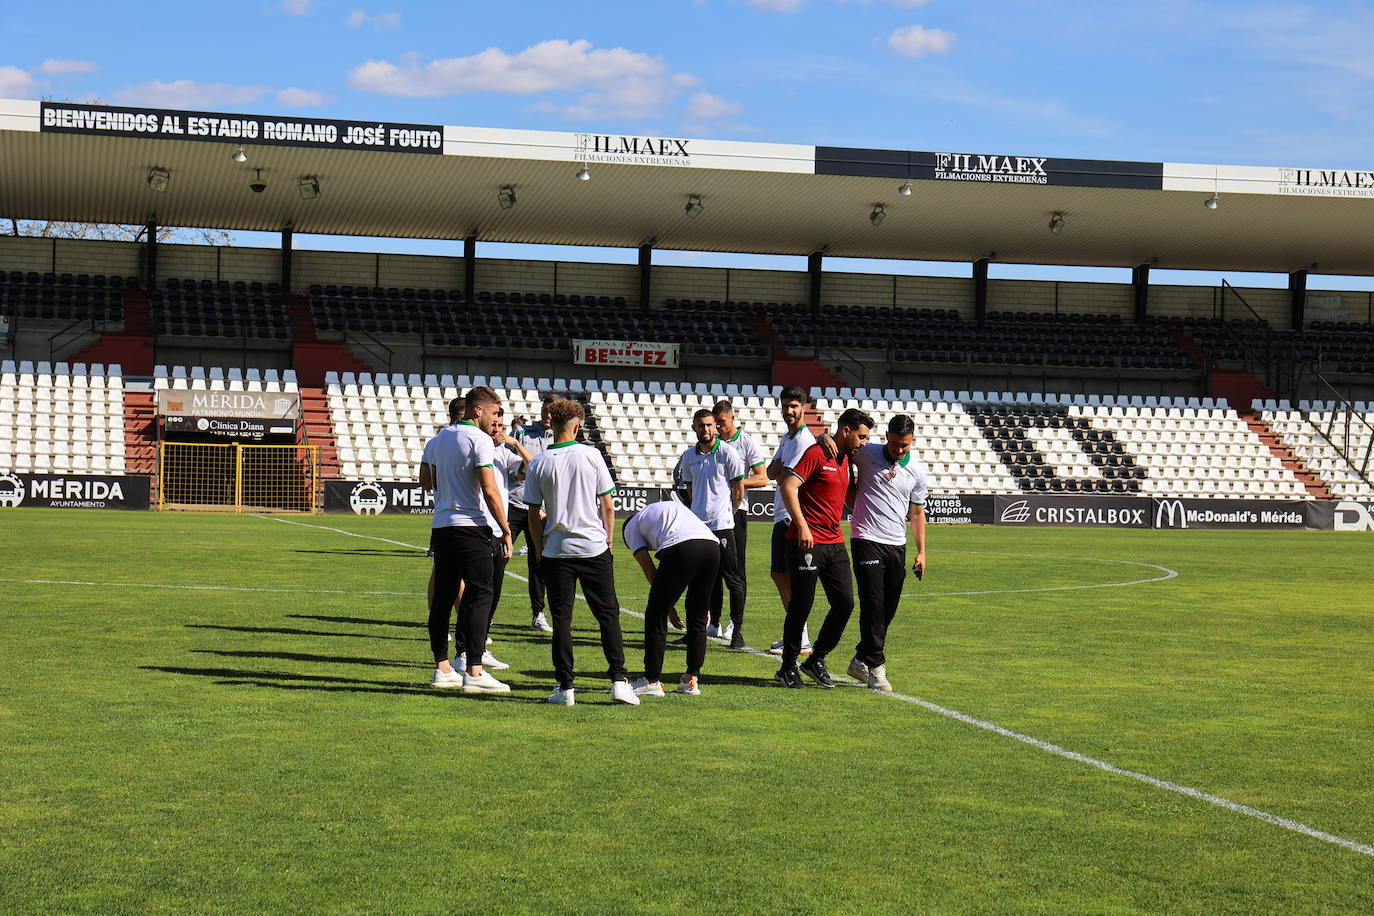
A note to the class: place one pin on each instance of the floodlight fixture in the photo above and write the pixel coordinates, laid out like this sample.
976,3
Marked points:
878,215
1211,202
583,174
310,187
158,179
257,185
905,189
694,207
1057,222
240,154
506,197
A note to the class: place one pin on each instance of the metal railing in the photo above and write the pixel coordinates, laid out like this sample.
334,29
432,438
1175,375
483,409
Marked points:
71,334
1276,362
375,349
1342,419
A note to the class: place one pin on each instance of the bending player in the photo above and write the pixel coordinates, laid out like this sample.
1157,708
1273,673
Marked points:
573,486
715,487
755,469
688,559
814,492
889,496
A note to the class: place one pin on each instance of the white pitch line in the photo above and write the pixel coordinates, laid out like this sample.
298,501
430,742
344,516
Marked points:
1047,747
209,588
1168,574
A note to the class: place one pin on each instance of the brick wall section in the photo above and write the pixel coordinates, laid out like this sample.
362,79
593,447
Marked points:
675,282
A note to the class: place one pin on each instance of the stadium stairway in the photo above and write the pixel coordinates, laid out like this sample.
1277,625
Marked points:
793,370
132,347
1315,486
317,429
140,433
311,356
1188,345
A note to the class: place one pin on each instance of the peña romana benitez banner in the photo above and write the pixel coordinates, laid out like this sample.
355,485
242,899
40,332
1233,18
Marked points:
73,491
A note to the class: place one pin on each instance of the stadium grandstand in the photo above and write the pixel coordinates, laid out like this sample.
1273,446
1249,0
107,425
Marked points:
119,354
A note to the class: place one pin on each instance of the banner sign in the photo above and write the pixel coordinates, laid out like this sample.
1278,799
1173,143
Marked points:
230,427
1072,511
1346,515
1291,181
1228,513
272,405
259,130
632,353
73,491
988,168
959,509
377,497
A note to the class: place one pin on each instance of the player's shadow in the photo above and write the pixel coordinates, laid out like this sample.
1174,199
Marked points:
670,678
306,657
286,680
366,621
291,631
364,552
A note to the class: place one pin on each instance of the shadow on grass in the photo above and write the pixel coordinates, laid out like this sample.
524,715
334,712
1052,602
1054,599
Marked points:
289,631
450,694
306,657
365,552
370,621
288,681
670,678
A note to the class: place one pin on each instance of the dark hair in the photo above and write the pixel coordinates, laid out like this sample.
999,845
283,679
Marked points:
480,395
723,406
901,425
563,411
704,412
854,418
549,399
455,410
795,393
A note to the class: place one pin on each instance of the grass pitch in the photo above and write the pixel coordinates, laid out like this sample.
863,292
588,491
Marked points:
234,750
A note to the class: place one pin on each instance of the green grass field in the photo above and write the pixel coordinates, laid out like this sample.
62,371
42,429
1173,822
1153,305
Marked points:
238,751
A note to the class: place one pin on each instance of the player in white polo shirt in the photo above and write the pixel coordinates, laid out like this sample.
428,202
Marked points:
688,560
714,474
890,495
756,475
573,486
458,465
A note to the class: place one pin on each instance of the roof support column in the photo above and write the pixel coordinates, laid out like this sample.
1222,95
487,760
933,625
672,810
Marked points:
287,237
150,254
646,269
1140,280
1297,298
470,268
980,290
813,269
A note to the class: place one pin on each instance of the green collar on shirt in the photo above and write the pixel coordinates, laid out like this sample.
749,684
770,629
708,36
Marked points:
715,447
735,437
465,423
561,444
792,433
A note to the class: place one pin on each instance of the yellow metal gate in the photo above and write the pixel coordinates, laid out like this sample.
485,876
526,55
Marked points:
237,477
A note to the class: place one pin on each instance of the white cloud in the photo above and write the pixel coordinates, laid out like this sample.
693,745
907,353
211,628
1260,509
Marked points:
302,98
16,83
776,6
297,7
189,94
57,67
900,4
359,18
708,106
918,41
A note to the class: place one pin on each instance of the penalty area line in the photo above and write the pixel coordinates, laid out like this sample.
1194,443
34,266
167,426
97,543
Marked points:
1045,746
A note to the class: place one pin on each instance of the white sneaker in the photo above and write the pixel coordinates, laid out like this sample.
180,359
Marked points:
644,688
460,664
712,631
521,550
491,661
540,623
877,679
776,648
621,692
447,679
561,697
450,637
728,631
858,670
484,683
688,685
488,640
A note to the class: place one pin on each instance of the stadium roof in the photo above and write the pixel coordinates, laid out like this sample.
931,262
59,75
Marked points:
92,163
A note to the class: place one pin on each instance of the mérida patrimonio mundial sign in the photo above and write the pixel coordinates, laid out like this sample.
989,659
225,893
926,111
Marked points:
162,124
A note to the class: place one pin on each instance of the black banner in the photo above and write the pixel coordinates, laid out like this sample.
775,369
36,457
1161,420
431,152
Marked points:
1228,513
377,497
1072,511
988,168
73,491
1346,515
959,509
257,130
629,500
236,428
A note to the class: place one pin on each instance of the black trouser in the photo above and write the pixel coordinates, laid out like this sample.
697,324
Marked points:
880,570
518,518
461,554
780,557
690,566
729,578
498,576
830,564
596,575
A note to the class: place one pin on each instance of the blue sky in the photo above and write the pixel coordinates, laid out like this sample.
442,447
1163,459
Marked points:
1171,80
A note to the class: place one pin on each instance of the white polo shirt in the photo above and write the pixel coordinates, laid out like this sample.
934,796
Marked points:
568,480
885,494
748,448
711,474
536,438
789,452
506,462
664,524
456,453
